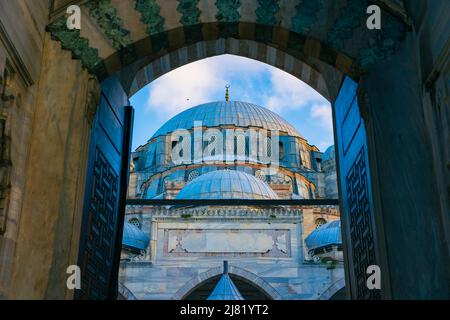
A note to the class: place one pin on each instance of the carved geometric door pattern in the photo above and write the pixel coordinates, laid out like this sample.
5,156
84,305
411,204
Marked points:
106,186
358,223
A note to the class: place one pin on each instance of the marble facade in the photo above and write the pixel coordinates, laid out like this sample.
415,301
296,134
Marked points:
269,248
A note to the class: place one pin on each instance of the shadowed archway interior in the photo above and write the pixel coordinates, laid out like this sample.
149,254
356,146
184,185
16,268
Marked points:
71,90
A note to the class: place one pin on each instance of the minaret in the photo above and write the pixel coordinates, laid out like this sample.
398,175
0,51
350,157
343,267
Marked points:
227,93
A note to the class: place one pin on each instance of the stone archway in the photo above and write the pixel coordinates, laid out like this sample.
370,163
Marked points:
248,276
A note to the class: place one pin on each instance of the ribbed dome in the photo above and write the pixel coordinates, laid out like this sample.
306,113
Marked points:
226,184
214,114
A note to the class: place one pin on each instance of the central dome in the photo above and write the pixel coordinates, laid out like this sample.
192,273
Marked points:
239,114
226,184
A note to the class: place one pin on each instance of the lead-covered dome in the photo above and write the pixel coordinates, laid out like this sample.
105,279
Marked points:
239,114
133,238
226,184
325,235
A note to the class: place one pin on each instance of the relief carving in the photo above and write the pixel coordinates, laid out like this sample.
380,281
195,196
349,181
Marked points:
228,242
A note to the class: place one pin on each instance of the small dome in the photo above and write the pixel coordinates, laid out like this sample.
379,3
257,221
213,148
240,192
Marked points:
325,235
240,114
226,184
134,238
329,154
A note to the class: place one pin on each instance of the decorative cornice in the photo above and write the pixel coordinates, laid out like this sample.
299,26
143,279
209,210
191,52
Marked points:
167,171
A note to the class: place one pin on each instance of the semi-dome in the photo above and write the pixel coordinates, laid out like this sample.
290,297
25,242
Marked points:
240,114
325,235
226,184
134,238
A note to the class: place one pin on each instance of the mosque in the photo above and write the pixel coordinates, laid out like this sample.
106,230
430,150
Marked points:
231,150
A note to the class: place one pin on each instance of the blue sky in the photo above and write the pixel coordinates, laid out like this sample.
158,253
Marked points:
250,80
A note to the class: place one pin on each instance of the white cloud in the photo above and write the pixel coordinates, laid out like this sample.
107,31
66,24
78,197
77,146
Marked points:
290,93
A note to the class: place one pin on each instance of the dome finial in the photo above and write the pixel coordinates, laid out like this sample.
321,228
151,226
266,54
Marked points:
227,93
